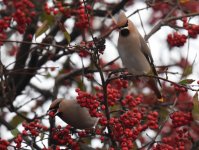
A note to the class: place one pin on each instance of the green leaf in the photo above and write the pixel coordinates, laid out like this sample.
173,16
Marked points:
16,120
186,81
15,132
188,70
195,110
163,113
66,34
43,28
48,20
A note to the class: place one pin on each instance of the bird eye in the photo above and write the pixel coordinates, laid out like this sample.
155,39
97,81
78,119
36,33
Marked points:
124,32
126,25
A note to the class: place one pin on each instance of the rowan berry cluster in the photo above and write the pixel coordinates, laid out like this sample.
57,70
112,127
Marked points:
89,101
153,120
4,144
83,17
176,39
126,128
127,125
33,128
180,118
22,14
178,141
193,30
113,95
18,140
86,48
81,12
120,84
131,102
62,136
180,89
83,53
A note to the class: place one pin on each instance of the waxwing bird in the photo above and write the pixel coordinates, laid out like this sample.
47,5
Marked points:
73,114
135,53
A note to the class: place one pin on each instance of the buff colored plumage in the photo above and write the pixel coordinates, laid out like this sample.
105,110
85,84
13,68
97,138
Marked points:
134,52
73,114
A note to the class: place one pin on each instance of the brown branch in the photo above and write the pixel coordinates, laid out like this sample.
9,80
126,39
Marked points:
166,20
129,76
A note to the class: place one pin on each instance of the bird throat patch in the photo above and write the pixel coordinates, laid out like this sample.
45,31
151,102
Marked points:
124,32
124,29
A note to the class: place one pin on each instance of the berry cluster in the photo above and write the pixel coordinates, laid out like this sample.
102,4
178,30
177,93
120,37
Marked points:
130,101
180,118
179,88
22,15
120,83
33,128
113,95
80,12
83,53
89,101
4,23
86,48
18,140
193,30
62,136
153,120
180,140
176,39
83,17
126,128
4,144
58,8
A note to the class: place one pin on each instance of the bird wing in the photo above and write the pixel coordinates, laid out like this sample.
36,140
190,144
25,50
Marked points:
147,53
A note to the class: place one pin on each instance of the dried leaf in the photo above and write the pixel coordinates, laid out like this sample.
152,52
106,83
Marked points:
16,120
195,110
163,113
43,28
188,70
66,34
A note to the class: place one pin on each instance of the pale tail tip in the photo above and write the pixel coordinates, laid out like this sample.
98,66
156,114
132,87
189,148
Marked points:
161,100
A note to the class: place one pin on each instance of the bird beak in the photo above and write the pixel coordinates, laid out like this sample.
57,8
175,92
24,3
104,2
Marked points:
53,112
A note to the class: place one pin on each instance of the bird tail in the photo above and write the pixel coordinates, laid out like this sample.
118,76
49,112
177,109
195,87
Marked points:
153,85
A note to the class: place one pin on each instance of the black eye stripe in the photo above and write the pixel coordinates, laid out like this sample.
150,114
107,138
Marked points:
126,25
124,32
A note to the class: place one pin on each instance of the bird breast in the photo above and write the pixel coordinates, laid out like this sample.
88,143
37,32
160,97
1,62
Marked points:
131,55
76,115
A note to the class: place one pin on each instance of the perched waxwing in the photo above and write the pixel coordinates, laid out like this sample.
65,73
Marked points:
73,114
135,53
